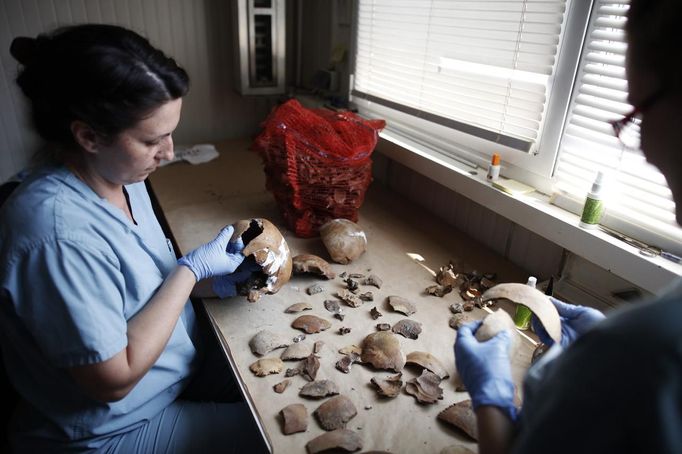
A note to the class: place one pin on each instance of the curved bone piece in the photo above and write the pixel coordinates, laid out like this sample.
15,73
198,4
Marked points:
345,241
295,418
265,243
267,366
408,328
335,413
382,350
462,416
319,388
299,350
427,361
281,386
266,341
388,387
311,324
534,300
309,263
425,388
402,305
298,307
344,439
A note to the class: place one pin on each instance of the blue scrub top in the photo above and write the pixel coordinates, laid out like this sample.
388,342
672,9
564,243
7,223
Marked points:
73,270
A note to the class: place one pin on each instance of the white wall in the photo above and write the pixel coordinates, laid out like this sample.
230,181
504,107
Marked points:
197,33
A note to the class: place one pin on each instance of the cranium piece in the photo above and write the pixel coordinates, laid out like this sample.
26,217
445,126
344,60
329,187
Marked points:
297,351
335,413
345,241
351,284
349,298
447,276
281,386
534,300
266,341
456,449
295,418
319,388
267,366
389,387
334,307
292,372
408,328
314,289
343,439
310,367
425,388
298,307
468,306
374,313
344,364
317,346
348,349
470,294
382,350
487,283
374,280
400,304
367,296
456,308
383,326
264,244
458,320
427,361
311,324
309,263
438,290
495,322
462,416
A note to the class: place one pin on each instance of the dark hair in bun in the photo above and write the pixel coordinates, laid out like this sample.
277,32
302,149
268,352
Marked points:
107,76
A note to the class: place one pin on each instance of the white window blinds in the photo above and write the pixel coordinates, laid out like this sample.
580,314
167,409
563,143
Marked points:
638,191
479,66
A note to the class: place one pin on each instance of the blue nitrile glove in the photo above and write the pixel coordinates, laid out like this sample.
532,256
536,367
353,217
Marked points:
225,286
575,321
485,368
215,257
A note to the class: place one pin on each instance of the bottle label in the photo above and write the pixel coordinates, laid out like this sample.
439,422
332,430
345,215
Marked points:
592,211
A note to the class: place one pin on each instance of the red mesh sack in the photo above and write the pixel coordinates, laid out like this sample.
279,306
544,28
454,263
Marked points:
317,163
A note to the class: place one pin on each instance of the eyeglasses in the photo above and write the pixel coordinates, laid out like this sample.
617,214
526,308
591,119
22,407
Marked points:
627,128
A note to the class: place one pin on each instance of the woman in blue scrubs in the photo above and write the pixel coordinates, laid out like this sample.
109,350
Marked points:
97,332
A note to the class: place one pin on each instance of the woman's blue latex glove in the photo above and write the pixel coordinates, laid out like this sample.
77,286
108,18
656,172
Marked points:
485,368
225,286
216,257
575,321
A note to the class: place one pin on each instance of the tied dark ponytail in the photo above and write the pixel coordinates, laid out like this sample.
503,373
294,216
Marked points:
103,75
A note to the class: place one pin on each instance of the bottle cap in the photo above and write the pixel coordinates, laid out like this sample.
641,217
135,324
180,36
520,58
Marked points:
599,182
496,159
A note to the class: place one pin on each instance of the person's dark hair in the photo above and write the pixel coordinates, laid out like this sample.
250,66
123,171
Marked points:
103,75
654,38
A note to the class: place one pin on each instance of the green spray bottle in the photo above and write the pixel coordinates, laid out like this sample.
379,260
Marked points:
523,315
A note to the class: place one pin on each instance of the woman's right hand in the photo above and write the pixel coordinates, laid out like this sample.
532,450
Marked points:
215,258
575,321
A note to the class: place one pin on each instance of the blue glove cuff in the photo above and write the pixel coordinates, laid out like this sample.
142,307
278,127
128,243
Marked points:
503,390
184,262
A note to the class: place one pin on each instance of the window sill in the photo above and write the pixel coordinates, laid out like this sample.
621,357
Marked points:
534,212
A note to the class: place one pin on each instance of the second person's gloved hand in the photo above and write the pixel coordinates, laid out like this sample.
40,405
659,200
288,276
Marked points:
214,258
485,368
575,321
